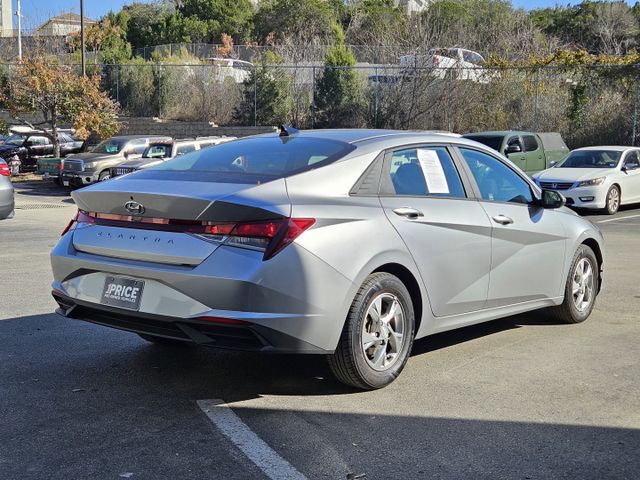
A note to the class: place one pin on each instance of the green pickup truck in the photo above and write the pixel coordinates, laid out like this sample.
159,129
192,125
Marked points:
50,168
532,152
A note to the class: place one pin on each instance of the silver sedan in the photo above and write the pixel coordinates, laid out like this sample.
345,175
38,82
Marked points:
6,191
347,243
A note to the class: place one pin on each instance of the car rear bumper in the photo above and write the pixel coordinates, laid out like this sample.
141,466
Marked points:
292,303
7,203
247,337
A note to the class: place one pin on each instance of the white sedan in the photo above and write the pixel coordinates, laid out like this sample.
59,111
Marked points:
596,177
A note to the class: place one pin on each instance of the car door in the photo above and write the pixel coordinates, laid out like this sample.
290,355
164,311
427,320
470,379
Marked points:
448,234
534,154
630,177
528,242
518,157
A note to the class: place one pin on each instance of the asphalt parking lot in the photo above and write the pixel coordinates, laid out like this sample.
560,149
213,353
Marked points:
518,398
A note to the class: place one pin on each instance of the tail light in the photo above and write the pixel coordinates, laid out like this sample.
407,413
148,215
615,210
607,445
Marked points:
61,165
5,171
73,220
269,236
436,62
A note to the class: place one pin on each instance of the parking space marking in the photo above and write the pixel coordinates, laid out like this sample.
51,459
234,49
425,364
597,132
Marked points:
256,450
618,219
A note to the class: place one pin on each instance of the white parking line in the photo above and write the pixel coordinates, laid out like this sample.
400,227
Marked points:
267,460
618,219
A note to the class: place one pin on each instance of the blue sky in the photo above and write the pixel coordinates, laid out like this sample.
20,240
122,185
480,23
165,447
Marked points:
37,12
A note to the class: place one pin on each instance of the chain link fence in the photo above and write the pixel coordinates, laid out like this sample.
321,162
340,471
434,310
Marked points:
587,105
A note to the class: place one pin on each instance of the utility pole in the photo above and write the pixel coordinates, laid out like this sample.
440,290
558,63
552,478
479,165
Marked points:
84,71
19,15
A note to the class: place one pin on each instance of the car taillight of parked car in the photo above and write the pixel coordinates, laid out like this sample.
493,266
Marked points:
70,224
268,236
5,171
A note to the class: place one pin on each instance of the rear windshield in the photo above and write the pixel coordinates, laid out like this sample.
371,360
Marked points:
494,142
591,159
258,158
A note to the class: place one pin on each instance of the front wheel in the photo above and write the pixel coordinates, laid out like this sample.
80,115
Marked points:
377,336
104,176
613,200
581,288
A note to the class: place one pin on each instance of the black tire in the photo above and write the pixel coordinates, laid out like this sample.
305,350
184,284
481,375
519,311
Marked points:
568,311
106,175
351,363
613,200
164,342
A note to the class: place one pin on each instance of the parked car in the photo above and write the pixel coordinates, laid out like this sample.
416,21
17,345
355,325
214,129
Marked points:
50,168
349,243
6,192
462,64
95,166
22,150
596,177
158,152
532,152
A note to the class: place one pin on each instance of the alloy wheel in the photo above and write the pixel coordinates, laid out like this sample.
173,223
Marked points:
583,285
383,331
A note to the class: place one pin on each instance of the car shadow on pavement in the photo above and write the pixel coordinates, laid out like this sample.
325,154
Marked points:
83,401
88,355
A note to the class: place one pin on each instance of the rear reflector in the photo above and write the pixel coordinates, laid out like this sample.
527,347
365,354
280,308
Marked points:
223,321
269,236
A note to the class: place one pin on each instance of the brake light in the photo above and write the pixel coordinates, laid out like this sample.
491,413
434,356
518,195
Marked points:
70,224
61,166
5,171
269,236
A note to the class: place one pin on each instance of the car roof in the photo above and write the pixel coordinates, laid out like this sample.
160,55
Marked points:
135,137
497,133
615,148
356,135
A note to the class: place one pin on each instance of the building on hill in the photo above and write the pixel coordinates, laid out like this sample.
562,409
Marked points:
62,25
6,18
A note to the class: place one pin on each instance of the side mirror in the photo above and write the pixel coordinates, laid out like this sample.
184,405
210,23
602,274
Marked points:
551,199
513,148
629,166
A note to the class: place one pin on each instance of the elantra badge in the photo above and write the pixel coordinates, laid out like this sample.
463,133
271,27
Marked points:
134,207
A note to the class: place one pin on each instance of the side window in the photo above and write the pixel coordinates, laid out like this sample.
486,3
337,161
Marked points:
530,143
425,171
632,159
496,181
182,149
39,140
137,146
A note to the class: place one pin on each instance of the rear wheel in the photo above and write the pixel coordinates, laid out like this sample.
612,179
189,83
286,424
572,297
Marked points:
377,335
581,288
165,342
613,200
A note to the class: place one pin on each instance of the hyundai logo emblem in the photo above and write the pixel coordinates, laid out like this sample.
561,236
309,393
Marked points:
134,207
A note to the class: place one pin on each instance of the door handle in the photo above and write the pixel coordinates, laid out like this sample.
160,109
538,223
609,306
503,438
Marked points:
502,219
408,212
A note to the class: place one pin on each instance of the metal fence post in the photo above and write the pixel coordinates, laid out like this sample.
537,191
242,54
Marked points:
635,110
118,83
255,95
536,102
375,101
313,97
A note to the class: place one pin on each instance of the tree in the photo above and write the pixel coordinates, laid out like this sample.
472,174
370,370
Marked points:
271,90
105,39
301,22
60,95
339,97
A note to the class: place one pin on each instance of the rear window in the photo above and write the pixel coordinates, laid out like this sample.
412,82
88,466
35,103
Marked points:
494,142
258,159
